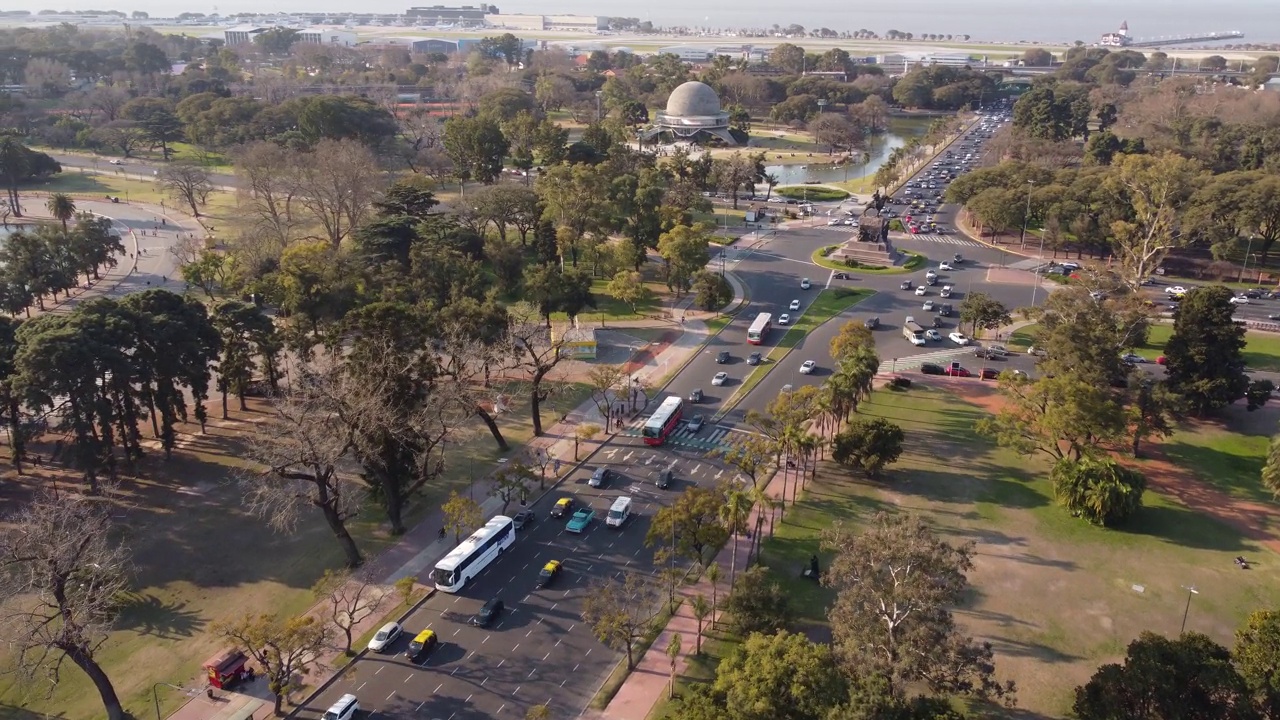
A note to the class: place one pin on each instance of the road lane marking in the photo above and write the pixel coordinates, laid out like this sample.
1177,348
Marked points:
504,704
455,632
419,708
380,668
528,633
531,672
513,692
557,645
433,692
482,682
485,640
544,657
455,670
502,662
627,457
408,678
571,627
362,686
553,605
391,694
566,594
526,597
562,682
513,650
575,667
464,702
588,652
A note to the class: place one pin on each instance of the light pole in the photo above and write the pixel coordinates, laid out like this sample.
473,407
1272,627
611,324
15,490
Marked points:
1245,266
1026,217
598,94
1191,590
155,697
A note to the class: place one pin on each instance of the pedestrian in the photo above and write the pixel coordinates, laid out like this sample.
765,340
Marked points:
443,533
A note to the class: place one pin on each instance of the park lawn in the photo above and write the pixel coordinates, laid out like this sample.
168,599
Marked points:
200,558
97,186
1228,453
812,193
609,307
1055,596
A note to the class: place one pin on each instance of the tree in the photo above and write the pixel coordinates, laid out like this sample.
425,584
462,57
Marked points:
62,208
701,609
1064,416
246,333
1204,356
684,250
628,287
673,654
1257,658
276,41
711,291
187,183
607,383
155,118
584,432
838,132
476,145
64,574
1101,491
461,515
693,520
511,483
1271,470
757,604
347,599
895,583
336,185
537,354
868,444
1163,679
851,336
282,648
1156,188
783,676
621,612
980,310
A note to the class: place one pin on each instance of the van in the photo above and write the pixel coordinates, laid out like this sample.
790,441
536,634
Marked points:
345,709
619,513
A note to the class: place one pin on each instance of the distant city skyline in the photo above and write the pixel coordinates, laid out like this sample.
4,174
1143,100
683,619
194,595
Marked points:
985,20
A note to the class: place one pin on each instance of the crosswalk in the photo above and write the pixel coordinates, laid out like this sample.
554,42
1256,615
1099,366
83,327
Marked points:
943,356
925,237
711,437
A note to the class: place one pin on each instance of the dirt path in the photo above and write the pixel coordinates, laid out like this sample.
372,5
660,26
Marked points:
1256,521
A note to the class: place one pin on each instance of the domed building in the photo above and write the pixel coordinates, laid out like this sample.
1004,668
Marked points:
693,109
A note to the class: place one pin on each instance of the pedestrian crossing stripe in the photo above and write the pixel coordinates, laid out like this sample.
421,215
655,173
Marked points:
915,361
713,439
925,237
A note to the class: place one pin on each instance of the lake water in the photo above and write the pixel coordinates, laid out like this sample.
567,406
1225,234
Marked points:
900,131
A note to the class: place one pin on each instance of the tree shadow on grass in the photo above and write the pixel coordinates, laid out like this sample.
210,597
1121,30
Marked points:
1185,528
979,482
9,712
149,615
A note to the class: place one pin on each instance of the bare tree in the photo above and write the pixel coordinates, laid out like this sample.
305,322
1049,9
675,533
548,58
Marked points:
299,450
268,188
606,382
187,183
108,100
64,570
347,599
511,483
283,648
187,249
338,183
621,612
538,355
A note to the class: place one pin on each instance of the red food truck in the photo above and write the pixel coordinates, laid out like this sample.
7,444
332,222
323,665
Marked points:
228,668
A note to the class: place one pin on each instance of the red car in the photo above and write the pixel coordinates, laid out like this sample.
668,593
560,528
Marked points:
990,374
957,372
1162,360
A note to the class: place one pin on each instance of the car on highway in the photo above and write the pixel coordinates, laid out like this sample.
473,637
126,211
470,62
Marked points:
959,338
990,374
562,507
795,305
665,476
906,285
945,310
1000,350
957,258
386,635
928,305
871,323
930,274
922,291
932,334
722,357
805,285
549,573
840,276
986,353
945,291
932,369
580,520
754,358
719,379
696,395
945,266
1239,300
422,644
695,423
489,612
600,477
807,367
522,519
1133,358
116,162
937,322
956,371
783,319
1175,290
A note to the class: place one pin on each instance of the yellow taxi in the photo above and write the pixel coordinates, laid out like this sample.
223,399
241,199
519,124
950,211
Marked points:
549,573
562,507
422,644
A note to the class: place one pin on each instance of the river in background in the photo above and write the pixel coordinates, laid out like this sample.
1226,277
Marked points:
900,132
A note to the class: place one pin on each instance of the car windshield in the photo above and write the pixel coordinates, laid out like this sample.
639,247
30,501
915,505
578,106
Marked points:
382,635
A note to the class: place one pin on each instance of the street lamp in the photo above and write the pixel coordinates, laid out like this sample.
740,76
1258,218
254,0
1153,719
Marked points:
156,697
1026,217
1191,590
1245,266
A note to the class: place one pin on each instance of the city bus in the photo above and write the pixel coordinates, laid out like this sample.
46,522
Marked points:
759,328
663,421
474,554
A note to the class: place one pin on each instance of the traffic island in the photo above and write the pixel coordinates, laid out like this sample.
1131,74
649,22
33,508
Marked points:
910,261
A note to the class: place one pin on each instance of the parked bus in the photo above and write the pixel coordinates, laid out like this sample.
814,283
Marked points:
759,328
663,421
474,554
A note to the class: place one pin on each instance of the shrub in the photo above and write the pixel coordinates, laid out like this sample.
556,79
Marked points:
1100,491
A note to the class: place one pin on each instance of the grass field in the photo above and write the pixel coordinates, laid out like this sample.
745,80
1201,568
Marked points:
1056,597
97,186
200,558
812,193
1261,350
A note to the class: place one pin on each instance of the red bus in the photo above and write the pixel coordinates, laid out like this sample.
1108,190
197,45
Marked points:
663,421
759,329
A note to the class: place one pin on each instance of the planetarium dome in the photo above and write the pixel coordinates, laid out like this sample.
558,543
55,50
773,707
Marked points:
693,113
693,99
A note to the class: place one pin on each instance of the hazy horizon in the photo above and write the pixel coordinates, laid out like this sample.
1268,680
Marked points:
987,20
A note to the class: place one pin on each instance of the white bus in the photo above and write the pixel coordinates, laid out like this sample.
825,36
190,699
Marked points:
759,328
474,554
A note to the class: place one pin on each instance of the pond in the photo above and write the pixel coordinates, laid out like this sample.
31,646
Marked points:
900,132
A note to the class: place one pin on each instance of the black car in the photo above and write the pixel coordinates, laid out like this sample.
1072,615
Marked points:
600,477
957,258
937,322
906,285
945,310
754,358
931,369
722,357
871,323
695,396
1252,294
841,276
664,478
986,354
522,519
488,613
695,423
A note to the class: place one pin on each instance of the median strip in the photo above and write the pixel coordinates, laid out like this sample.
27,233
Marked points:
827,305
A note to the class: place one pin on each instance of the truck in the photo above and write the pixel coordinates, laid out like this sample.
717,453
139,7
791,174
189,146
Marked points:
913,332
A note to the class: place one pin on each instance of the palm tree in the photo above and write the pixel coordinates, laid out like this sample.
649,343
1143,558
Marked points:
734,514
62,208
772,181
14,166
762,502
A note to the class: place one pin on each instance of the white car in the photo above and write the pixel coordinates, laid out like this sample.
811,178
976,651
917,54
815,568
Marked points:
1133,358
945,266
795,305
804,285
1239,300
719,379
1175,290
835,221
946,291
386,635
922,291
928,305
117,162
931,274
783,319
807,367
933,335
959,338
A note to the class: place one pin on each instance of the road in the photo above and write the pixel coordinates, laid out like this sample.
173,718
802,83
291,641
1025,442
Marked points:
540,651
144,169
